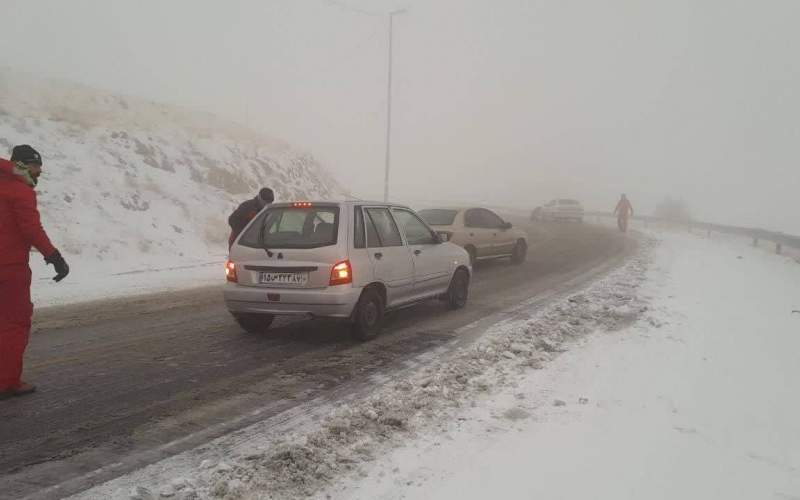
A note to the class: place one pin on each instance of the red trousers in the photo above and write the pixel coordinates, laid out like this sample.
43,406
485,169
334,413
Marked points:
16,311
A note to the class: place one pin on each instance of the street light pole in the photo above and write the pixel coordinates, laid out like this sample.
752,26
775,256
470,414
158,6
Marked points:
389,108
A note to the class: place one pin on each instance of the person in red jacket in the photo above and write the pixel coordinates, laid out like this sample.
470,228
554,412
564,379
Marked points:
624,212
20,229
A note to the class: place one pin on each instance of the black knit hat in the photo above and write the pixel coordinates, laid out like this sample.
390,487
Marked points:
26,154
266,195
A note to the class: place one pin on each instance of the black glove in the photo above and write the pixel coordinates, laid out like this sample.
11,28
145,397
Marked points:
62,269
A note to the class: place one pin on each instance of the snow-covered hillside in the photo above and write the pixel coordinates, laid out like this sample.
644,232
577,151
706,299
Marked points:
130,184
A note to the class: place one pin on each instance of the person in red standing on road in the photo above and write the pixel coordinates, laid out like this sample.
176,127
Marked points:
20,229
624,212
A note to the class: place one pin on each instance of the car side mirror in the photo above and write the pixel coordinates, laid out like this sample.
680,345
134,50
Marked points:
442,237
506,225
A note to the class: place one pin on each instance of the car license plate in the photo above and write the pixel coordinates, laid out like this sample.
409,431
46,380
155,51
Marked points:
284,278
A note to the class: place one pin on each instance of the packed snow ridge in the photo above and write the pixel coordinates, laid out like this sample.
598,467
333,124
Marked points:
303,463
130,183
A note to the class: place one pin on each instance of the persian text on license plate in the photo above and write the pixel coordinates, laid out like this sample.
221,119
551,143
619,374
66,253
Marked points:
284,278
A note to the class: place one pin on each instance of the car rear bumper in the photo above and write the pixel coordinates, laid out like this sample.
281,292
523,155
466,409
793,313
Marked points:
330,302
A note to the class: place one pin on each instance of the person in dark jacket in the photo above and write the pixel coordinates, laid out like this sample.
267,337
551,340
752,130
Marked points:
246,211
20,229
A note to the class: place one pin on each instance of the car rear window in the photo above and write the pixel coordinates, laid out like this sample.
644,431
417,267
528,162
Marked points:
438,217
294,227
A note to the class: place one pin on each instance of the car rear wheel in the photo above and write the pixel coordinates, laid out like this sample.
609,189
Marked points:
520,252
458,293
368,316
254,323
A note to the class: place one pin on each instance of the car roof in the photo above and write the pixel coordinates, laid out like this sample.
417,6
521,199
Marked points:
339,202
460,209
456,209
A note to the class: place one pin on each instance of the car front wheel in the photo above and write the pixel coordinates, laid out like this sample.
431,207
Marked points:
458,293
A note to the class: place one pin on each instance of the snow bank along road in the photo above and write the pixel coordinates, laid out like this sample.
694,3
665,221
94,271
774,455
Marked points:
694,397
125,383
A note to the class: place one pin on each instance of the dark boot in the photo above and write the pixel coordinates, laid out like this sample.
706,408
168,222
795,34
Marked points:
24,389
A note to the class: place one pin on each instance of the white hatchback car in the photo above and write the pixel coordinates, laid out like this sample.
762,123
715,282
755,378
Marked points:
351,260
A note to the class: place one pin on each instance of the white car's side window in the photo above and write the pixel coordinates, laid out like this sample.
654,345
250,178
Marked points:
381,229
417,233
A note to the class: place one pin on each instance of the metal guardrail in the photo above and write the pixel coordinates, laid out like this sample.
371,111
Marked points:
780,239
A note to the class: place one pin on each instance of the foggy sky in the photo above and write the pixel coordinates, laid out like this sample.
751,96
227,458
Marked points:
505,102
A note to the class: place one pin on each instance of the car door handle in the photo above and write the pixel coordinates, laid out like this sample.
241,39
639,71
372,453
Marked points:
417,252
378,255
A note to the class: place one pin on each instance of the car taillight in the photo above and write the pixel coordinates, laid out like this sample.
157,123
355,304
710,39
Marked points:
342,273
230,272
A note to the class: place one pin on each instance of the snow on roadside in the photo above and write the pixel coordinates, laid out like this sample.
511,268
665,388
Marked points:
696,399
259,464
127,280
